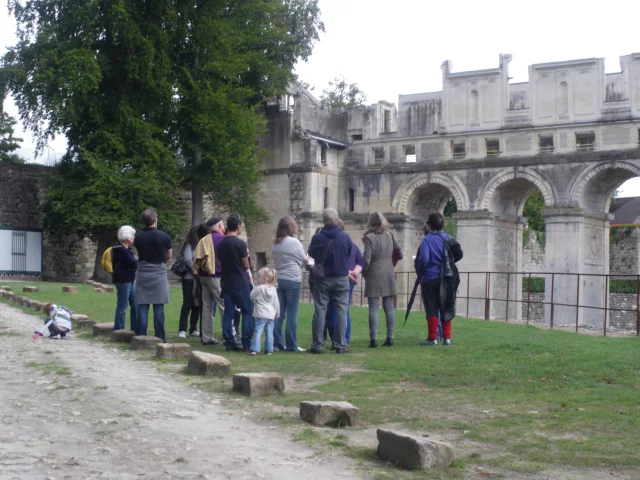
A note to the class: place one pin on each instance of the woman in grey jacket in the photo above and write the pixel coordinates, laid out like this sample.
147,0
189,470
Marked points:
289,257
188,303
380,279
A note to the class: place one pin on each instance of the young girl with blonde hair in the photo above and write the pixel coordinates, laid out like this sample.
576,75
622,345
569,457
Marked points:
266,309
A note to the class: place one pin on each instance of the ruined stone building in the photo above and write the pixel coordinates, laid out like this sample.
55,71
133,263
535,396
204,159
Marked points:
572,132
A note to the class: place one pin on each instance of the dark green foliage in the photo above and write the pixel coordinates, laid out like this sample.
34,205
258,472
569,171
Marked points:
535,285
450,225
616,285
533,211
341,93
8,143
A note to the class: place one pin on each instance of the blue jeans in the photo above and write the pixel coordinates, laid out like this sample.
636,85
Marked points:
239,297
331,317
126,294
158,320
266,325
289,298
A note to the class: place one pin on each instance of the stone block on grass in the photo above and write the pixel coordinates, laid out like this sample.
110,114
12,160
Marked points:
330,413
26,302
19,299
70,289
87,323
207,364
76,317
37,305
144,342
258,384
413,452
122,336
30,289
103,328
108,289
98,290
173,351
6,288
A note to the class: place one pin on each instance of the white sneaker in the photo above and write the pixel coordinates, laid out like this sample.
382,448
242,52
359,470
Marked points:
182,335
195,333
300,349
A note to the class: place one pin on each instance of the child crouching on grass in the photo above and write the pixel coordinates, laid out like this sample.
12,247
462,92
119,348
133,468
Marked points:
266,308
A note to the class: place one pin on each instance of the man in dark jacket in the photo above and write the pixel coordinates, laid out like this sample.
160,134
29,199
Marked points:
331,247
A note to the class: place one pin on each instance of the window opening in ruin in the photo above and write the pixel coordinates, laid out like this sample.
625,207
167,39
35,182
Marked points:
473,106
639,137
323,153
458,149
409,153
291,102
378,154
563,98
493,147
352,200
356,137
326,197
546,144
261,260
585,141
387,121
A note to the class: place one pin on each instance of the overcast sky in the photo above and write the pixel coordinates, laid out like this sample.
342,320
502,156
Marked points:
397,47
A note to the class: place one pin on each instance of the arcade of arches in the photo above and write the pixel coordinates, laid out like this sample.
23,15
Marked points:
490,224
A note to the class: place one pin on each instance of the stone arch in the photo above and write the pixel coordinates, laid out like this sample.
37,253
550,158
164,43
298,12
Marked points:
404,196
593,187
522,182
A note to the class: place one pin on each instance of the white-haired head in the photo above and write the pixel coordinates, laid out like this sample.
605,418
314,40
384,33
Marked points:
329,216
126,234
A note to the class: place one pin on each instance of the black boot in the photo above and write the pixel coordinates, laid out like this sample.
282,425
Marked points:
388,342
373,344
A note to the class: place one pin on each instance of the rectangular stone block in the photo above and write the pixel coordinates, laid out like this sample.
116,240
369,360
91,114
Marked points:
258,384
6,288
173,351
26,302
122,336
330,413
86,323
98,290
30,289
207,364
37,305
108,289
413,452
143,342
76,317
70,289
103,328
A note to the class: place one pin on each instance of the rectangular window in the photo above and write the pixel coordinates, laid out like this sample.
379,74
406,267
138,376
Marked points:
409,153
585,141
355,138
493,147
378,154
387,121
326,197
323,153
19,251
546,143
458,149
639,137
352,200
261,260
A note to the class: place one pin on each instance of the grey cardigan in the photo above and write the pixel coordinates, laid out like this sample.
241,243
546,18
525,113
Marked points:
380,279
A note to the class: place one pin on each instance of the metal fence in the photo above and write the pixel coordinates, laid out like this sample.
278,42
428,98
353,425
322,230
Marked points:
582,301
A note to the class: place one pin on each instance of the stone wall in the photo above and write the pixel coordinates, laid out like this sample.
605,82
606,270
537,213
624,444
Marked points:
626,318
533,255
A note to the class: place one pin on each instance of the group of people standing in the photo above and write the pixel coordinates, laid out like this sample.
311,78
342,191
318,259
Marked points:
219,278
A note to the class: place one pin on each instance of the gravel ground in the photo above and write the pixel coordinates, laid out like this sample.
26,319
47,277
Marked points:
75,409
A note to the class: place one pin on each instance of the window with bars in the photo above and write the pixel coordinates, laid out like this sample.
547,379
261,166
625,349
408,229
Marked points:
19,251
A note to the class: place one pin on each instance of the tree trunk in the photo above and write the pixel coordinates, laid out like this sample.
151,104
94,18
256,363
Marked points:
99,275
197,209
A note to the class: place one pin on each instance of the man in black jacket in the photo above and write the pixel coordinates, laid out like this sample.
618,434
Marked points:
331,248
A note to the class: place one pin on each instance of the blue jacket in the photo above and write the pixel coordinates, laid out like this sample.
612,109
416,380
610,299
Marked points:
431,255
125,265
336,263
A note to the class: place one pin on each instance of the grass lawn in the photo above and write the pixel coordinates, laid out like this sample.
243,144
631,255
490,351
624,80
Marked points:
512,399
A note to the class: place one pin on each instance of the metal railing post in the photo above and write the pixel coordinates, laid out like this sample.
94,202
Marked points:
468,274
553,281
506,316
606,304
487,301
638,306
529,299
577,302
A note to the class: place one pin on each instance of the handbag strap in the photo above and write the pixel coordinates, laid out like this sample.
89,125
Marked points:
326,253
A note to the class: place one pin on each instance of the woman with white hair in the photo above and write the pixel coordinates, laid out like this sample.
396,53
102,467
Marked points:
124,277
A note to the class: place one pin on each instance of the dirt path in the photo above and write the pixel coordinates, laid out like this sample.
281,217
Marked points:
74,409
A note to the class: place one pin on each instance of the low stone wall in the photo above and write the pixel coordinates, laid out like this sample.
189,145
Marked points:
20,277
532,307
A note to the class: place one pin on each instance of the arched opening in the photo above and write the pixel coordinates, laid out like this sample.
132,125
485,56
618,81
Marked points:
431,197
563,98
473,106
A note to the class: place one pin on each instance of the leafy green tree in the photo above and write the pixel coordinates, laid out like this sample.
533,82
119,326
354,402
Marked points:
533,209
341,93
229,57
8,143
97,71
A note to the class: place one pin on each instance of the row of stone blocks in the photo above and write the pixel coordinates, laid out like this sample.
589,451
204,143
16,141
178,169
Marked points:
402,450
